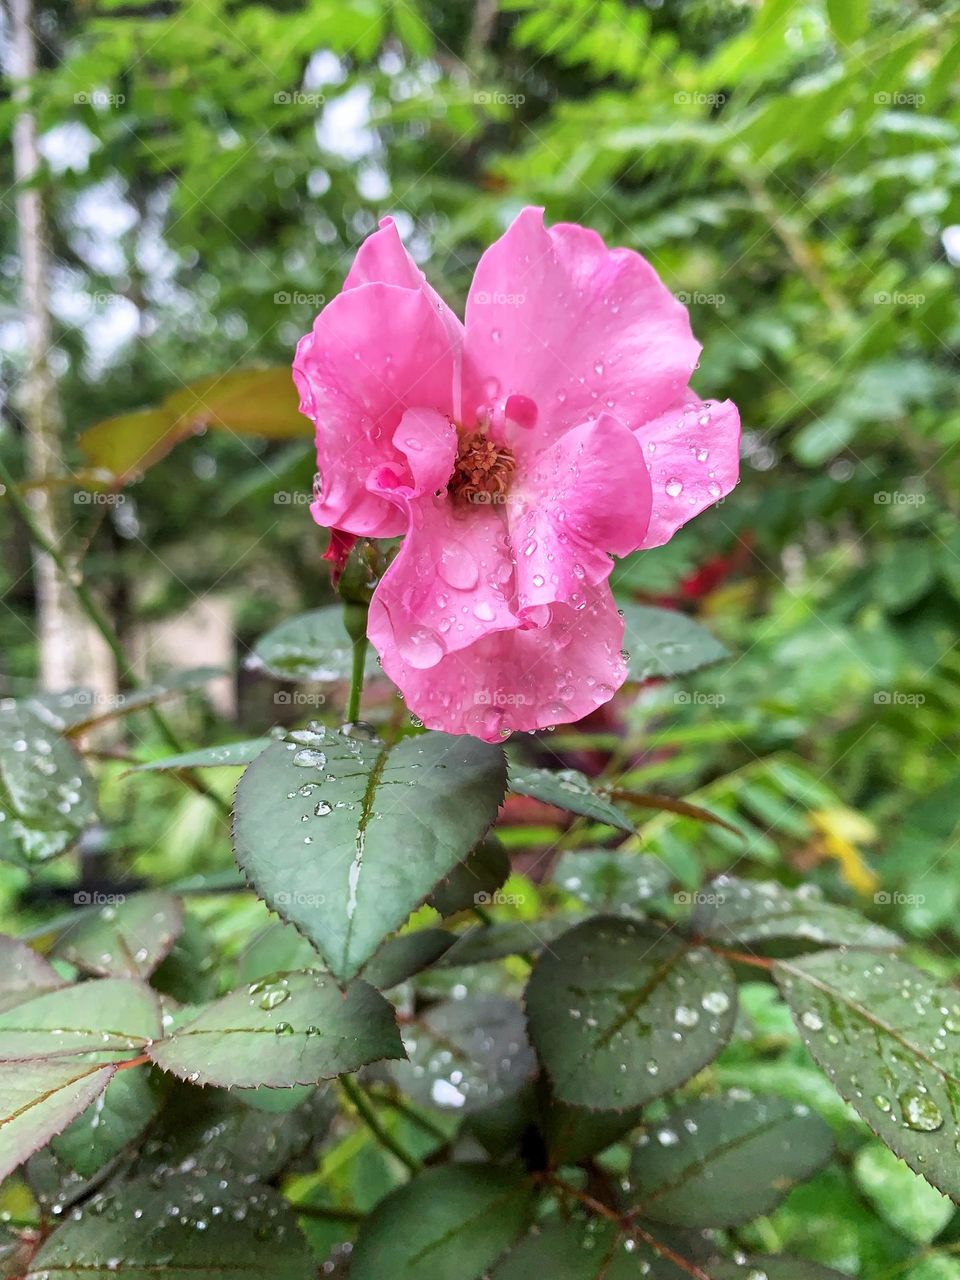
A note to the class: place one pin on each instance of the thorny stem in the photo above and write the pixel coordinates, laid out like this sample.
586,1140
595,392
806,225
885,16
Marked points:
367,1112
102,623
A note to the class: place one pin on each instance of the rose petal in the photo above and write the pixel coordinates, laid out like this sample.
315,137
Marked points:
452,580
521,680
693,455
374,352
557,317
583,498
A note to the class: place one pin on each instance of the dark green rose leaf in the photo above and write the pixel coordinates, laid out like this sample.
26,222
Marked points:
608,882
107,1020
409,953
450,1223
720,1162
466,1054
229,755
296,1028
474,881
311,646
39,1098
573,1134
277,949
748,911
664,643
621,1012
491,942
117,1118
601,1250
128,940
568,789
46,795
183,1224
23,972
345,837
888,1036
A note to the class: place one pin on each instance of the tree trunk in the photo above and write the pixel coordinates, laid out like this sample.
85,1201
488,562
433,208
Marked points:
70,653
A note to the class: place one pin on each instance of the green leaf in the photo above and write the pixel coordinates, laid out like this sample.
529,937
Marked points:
473,881
124,941
298,1028
598,1250
487,943
107,1020
749,911
889,1039
450,1223
720,1162
46,795
666,644
115,1120
344,838
567,789
401,957
39,1098
848,19
621,1012
231,754
183,1224
466,1054
573,1134
278,949
611,882
23,972
911,1206
312,646
772,1268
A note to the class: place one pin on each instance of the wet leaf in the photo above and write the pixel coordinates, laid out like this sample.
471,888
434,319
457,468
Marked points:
449,1223
277,949
466,1054
23,972
748,911
112,1122
295,1028
568,789
230,755
185,1224
599,1250
312,646
573,1134
46,795
621,1012
345,837
664,643
128,940
888,1037
107,1020
39,1098
720,1162
473,881
608,882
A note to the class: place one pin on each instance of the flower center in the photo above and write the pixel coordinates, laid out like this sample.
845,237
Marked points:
482,471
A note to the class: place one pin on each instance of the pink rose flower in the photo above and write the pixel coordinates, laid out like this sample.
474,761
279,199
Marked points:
516,453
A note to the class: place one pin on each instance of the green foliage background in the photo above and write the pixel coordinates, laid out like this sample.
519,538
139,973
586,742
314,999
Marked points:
790,169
